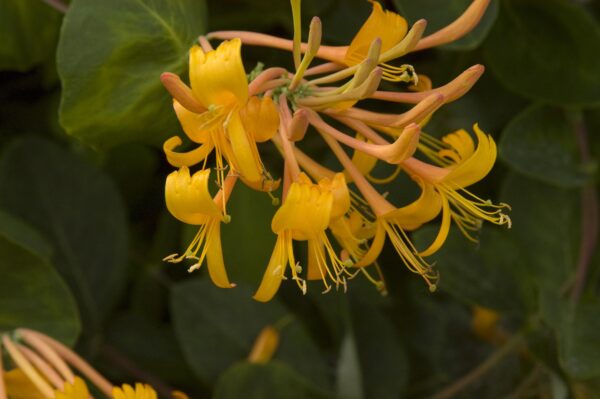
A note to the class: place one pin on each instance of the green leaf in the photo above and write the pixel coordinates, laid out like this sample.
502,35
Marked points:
440,13
258,381
540,143
32,294
21,234
482,274
545,226
579,347
248,240
382,367
29,30
110,57
217,327
546,50
158,352
78,211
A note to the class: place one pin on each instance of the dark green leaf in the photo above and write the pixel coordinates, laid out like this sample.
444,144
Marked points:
158,353
248,239
217,327
579,347
29,30
546,50
256,381
545,226
382,363
540,143
110,57
17,232
482,274
32,294
78,210
440,13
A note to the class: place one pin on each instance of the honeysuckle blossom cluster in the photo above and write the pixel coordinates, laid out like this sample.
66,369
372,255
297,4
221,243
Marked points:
341,214
43,368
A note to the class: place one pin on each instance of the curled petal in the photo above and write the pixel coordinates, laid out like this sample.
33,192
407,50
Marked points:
422,210
476,164
179,159
443,232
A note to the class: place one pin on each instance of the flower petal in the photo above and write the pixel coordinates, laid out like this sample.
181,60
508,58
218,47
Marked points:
260,118
247,159
188,198
275,270
214,257
179,159
218,77
385,25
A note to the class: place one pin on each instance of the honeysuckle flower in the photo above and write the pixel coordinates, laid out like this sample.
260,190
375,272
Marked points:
227,112
218,113
141,391
19,386
461,164
189,200
304,216
43,371
76,390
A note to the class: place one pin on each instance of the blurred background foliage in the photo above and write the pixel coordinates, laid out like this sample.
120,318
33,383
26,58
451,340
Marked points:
83,227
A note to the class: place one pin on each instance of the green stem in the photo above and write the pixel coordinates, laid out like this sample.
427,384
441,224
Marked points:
453,389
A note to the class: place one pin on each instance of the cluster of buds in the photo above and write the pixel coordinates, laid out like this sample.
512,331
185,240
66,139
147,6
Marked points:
43,368
341,215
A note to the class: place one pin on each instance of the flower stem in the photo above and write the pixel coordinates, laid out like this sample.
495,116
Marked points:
121,361
58,5
453,389
589,217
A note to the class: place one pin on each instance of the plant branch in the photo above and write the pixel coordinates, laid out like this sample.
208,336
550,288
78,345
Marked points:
589,217
124,363
453,389
58,5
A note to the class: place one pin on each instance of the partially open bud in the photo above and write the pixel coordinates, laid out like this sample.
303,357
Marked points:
298,125
181,92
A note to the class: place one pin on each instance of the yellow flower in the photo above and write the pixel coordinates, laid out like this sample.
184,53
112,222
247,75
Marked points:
189,200
77,390
19,386
461,164
394,222
305,216
386,26
220,115
141,391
